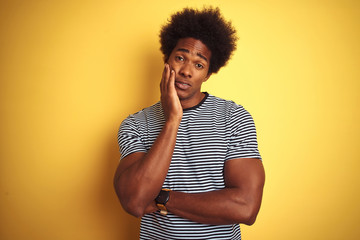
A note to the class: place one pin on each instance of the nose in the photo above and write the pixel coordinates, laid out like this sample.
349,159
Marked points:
185,70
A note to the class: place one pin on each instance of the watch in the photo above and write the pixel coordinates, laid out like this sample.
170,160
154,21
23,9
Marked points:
162,199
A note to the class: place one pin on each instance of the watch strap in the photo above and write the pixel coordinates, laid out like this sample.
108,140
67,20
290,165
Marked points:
162,199
162,208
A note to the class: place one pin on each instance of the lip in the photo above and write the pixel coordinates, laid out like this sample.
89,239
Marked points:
182,85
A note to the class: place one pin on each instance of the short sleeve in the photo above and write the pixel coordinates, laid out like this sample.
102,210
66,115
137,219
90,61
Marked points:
243,140
129,137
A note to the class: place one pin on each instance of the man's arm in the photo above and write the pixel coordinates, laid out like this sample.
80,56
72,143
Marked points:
140,176
239,202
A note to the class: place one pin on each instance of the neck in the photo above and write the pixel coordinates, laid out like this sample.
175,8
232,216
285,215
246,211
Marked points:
189,103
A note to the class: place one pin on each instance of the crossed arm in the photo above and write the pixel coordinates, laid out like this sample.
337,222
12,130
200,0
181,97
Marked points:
238,202
140,176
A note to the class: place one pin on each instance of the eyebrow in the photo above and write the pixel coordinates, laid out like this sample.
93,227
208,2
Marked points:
187,51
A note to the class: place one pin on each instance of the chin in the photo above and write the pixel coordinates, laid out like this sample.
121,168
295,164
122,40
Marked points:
182,94
182,97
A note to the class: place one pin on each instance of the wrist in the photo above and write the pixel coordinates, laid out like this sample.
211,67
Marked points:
161,200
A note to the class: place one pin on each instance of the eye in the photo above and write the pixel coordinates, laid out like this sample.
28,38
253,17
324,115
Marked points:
198,65
179,58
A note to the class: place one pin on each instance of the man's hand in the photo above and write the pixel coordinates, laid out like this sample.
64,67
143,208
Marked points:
140,176
169,99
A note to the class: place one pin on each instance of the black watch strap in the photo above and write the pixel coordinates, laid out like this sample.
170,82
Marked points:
162,199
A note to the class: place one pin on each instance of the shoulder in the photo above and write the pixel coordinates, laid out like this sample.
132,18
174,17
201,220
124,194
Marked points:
144,114
228,107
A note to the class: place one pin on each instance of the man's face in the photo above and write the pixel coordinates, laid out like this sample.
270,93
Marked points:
190,60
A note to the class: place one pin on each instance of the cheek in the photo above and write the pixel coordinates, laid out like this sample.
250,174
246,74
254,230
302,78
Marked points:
174,66
203,78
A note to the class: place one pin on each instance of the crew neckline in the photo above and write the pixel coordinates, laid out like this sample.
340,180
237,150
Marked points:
199,104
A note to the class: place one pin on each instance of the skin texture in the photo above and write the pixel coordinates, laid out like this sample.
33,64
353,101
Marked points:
139,176
190,60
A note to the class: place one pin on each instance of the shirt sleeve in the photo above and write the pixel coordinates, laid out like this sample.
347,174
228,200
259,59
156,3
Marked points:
129,138
243,140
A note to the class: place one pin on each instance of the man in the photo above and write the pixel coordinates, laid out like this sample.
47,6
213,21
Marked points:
190,165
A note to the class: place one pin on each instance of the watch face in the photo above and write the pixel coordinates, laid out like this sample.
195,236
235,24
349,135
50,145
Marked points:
163,197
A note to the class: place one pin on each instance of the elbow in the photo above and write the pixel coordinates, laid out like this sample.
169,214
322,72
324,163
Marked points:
250,220
246,213
249,215
133,209
129,204
244,217
247,209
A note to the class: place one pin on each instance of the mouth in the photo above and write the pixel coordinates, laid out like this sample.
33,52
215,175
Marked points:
182,85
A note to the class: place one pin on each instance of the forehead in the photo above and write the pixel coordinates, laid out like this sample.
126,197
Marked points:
194,47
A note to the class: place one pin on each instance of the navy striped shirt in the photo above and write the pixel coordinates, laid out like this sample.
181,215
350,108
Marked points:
214,131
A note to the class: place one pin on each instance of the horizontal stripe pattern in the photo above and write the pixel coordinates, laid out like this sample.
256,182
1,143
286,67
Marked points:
210,134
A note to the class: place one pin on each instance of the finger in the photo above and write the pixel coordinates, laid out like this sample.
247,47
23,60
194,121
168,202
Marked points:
171,83
166,77
162,82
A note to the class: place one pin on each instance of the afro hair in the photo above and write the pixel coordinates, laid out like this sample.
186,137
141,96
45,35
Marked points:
206,25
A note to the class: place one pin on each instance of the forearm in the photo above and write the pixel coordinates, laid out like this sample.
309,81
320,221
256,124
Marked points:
140,183
226,206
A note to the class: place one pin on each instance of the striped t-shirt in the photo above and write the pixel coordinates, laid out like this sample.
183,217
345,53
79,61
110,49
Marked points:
214,131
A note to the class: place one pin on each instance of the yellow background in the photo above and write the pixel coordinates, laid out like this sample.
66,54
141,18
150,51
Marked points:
71,71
